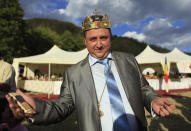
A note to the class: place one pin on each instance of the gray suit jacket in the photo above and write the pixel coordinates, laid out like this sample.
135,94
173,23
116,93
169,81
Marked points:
78,91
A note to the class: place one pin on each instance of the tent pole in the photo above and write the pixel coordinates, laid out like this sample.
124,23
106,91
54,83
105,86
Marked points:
25,70
49,71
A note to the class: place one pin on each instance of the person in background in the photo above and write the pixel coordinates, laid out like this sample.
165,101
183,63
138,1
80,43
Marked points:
7,74
107,88
37,74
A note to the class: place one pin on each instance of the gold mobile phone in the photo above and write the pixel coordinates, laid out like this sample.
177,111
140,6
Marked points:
22,103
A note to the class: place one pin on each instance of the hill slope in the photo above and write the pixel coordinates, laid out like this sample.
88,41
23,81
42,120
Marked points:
55,25
118,43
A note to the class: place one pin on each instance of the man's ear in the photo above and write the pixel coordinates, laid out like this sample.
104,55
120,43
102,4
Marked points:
85,42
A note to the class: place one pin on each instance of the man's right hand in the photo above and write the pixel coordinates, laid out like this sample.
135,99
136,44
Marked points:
17,111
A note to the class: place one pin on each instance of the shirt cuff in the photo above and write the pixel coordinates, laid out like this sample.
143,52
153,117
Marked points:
153,114
30,120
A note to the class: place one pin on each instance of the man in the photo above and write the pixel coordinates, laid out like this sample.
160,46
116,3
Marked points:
7,74
106,97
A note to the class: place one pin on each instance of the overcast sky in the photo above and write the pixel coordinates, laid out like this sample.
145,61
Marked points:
166,23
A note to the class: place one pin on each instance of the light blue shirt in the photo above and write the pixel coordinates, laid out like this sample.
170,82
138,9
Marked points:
99,80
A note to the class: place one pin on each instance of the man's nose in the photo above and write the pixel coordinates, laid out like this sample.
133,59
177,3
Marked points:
99,43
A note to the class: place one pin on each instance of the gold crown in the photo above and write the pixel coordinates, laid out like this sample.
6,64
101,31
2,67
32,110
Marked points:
96,21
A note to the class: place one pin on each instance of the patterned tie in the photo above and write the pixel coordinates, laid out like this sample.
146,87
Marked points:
120,122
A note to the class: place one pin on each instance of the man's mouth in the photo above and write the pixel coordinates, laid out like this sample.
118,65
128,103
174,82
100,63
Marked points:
99,50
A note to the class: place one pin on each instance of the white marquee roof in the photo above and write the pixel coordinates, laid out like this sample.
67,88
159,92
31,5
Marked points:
176,56
54,56
149,56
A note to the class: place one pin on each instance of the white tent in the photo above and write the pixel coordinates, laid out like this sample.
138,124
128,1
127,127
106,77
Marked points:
176,56
182,60
54,57
150,57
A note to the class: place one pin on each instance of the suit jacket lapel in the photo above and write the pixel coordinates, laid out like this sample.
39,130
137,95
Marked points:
120,70
129,81
90,85
124,70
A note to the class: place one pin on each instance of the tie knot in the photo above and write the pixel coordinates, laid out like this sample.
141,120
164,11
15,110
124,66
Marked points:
104,62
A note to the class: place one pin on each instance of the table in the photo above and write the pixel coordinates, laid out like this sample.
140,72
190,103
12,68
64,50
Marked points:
159,84
47,87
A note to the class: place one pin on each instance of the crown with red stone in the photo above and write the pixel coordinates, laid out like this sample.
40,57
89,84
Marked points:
95,21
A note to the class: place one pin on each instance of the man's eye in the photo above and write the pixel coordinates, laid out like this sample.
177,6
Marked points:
93,39
104,37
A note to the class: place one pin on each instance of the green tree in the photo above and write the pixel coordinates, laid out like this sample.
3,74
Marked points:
42,37
11,29
47,33
129,45
71,42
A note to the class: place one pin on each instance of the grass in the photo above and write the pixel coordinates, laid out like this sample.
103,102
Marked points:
179,120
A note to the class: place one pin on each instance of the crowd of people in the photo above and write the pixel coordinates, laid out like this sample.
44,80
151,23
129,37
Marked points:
172,76
42,77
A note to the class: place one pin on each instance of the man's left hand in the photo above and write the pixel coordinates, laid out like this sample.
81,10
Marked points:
162,107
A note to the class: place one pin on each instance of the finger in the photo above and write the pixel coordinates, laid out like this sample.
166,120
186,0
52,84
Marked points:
16,112
165,112
170,108
9,99
19,113
161,113
27,98
22,94
166,102
15,108
12,103
19,92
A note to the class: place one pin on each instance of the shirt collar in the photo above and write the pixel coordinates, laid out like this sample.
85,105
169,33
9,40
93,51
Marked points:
93,60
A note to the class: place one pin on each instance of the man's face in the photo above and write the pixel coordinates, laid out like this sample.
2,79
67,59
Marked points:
97,42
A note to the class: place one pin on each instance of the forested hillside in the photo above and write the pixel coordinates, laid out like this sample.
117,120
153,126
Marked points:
118,43
55,25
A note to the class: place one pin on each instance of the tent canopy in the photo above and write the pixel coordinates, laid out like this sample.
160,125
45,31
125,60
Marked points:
149,56
54,55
